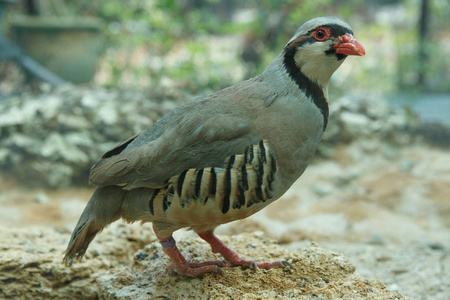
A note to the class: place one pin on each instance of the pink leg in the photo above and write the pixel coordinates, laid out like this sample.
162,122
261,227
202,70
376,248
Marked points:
217,246
183,266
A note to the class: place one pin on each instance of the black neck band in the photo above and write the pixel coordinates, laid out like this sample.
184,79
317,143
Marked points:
310,88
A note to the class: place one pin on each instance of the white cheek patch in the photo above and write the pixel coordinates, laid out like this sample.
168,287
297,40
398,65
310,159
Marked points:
315,64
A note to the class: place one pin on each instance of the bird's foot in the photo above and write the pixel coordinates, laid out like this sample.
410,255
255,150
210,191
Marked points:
233,259
259,265
195,269
183,266
196,265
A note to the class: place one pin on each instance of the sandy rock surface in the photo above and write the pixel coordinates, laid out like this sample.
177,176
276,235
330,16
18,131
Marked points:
318,273
375,192
31,267
31,264
386,209
387,212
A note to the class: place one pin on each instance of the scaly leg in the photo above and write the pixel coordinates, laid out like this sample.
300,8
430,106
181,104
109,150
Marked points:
183,266
217,246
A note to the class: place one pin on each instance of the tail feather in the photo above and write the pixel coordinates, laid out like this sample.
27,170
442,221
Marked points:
103,208
80,241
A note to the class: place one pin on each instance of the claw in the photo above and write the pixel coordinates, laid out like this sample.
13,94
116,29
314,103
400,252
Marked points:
171,268
219,270
285,264
234,260
183,265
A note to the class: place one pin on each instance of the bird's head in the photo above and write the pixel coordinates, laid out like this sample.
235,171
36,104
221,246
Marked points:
318,48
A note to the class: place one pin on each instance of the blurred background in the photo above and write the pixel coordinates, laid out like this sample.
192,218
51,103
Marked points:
210,44
78,77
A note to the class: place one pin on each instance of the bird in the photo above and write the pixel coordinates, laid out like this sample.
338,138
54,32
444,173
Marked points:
221,157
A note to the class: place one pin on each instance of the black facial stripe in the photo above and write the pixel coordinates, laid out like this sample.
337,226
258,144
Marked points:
306,40
332,51
338,30
341,56
310,88
335,30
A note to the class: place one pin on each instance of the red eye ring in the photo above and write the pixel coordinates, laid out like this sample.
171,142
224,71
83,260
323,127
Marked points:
321,34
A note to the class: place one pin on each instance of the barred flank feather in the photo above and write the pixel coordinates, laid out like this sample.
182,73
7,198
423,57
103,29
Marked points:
244,180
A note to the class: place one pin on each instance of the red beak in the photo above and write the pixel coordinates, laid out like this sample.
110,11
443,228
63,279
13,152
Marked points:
348,45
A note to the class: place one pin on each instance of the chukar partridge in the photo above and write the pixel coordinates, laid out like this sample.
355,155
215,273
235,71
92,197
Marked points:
222,157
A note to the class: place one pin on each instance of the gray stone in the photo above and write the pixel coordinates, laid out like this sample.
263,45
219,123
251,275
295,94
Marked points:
61,133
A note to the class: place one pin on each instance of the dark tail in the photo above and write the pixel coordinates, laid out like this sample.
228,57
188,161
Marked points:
103,208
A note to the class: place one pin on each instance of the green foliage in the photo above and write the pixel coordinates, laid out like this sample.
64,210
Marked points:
189,42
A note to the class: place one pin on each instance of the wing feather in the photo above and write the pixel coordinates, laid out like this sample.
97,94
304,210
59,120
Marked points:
198,134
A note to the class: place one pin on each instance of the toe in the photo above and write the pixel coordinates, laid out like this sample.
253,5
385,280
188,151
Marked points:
285,264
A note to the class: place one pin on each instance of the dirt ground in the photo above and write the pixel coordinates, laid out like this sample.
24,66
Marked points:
384,211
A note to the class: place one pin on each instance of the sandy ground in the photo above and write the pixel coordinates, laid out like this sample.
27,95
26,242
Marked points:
387,210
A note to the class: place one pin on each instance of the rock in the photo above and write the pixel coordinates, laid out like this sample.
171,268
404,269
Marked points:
31,267
53,138
354,124
367,119
31,264
414,270
41,198
436,134
66,130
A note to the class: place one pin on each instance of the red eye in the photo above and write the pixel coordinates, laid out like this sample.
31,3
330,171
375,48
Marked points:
321,34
